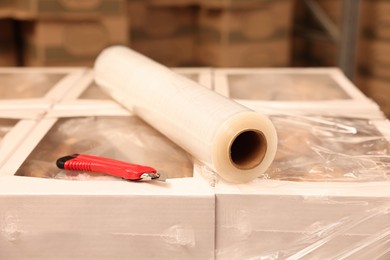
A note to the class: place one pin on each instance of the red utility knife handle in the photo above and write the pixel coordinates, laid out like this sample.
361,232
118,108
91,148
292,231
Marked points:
82,162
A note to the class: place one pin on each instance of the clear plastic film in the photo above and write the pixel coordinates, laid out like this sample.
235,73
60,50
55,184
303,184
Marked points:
27,85
234,141
315,148
123,138
332,201
297,227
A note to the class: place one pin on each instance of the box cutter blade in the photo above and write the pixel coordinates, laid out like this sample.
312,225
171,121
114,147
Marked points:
90,163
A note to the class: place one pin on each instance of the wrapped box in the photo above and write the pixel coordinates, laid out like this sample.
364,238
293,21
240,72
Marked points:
326,195
7,44
162,216
68,9
115,218
332,204
233,36
105,219
302,220
61,43
163,33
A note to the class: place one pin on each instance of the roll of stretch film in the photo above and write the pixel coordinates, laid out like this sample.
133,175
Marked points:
234,141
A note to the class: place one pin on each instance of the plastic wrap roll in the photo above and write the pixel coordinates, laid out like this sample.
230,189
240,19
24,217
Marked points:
237,143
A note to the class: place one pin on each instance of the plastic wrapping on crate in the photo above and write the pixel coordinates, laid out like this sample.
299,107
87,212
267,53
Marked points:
121,138
315,201
326,195
302,227
310,148
319,148
27,85
285,87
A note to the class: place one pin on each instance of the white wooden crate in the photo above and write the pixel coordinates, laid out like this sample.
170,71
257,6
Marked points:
108,217
185,216
333,218
282,219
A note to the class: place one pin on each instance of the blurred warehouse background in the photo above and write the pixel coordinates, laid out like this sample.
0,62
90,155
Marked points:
216,33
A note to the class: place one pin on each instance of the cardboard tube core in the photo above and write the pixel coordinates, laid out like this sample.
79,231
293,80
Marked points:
248,149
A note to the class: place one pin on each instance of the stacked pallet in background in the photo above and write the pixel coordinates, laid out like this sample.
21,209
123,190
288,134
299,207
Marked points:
298,43
6,8
7,36
212,33
7,43
171,3
66,43
172,32
246,33
163,31
373,62
315,50
374,52
67,9
68,32
324,52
